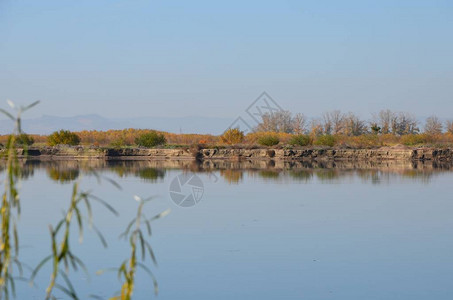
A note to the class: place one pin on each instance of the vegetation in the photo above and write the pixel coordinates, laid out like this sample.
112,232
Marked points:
136,239
433,126
23,139
62,257
300,140
150,139
325,140
63,137
268,140
416,139
232,136
119,143
385,128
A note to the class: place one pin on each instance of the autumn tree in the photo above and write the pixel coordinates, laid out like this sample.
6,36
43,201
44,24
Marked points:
449,126
354,126
299,124
232,136
63,137
433,125
333,122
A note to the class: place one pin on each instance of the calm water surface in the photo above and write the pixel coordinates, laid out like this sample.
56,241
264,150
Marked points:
263,232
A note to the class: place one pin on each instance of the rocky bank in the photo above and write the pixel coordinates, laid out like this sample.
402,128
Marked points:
303,154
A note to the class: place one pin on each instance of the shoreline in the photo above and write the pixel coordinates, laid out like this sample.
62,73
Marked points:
398,153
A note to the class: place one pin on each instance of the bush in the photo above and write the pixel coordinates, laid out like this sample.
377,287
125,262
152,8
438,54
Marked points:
150,139
22,139
268,140
232,136
63,137
365,141
416,139
300,140
119,143
325,140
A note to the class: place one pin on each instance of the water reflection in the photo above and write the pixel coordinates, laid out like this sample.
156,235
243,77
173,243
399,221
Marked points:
150,174
232,176
233,171
63,175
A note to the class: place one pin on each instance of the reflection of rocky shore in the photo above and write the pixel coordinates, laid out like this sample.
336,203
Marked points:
64,171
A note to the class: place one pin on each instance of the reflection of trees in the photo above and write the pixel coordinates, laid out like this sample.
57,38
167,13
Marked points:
373,176
232,176
151,174
327,174
27,172
63,176
233,171
269,174
302,175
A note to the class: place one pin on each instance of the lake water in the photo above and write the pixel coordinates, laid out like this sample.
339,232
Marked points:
263,230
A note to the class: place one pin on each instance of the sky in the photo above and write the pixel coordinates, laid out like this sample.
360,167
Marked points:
213,58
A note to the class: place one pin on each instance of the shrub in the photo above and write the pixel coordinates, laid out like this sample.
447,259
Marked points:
365,141
63,137
300,140
119,142
268,140
325,140
389,139
416,139
22,139
232,136
150,139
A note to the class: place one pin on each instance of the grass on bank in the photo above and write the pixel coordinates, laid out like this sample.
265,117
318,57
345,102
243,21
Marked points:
130,138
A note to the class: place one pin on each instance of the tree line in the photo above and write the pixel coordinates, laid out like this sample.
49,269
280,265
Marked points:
338,123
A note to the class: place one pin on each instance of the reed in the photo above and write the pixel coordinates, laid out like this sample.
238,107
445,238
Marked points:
10,206
79,213
137,240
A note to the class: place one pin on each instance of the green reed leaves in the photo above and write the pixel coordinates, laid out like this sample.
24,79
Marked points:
10,206
62,254
138,245
80,214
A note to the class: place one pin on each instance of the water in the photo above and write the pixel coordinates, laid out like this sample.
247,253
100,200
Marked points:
263,230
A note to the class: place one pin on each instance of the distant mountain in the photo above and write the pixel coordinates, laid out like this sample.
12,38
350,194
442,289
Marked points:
47,124
205,125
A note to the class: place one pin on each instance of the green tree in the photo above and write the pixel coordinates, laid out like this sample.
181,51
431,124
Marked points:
325,140
300,140
23,139
63,137
150,139
268,140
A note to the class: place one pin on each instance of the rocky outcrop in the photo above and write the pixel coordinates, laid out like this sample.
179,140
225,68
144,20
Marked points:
303,154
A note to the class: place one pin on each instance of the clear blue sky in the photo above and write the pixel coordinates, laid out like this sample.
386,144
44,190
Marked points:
179,58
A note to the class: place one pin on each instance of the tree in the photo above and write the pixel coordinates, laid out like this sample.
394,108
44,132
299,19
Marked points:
23,139
404,123
375,128
449,126
280,121
433,125
299,124
268,140
150,139
354,126
316,128
63,137
300,140
384,120
232,136
401,123
333,122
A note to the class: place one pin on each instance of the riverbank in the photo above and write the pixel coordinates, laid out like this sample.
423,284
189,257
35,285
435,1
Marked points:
298,154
